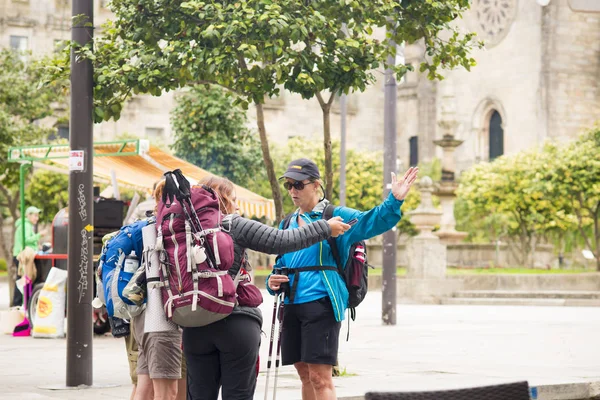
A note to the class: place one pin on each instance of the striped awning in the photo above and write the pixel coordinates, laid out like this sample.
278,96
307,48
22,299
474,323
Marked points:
141,171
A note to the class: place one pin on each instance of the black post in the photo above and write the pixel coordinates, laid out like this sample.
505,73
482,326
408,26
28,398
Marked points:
81,218
388,305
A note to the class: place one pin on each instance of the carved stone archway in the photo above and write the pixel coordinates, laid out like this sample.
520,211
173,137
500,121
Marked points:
481,125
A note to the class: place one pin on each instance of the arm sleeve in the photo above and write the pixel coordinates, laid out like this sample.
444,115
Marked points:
260,237
31,238
373,222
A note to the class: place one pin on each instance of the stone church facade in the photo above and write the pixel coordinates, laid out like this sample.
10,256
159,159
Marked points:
537,79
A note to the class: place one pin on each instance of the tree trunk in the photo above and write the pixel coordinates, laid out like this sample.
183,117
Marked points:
5,250
264,144
596,218
12,203
327,146
326,108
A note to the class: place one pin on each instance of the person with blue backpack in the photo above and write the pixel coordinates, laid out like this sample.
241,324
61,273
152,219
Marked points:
160,368
317,295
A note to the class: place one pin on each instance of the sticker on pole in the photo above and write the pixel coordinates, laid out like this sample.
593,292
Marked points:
76,160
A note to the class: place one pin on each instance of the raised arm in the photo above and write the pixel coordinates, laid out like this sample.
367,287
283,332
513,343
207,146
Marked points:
260,237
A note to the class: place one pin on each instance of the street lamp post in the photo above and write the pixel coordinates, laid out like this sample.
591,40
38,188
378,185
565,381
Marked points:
388,285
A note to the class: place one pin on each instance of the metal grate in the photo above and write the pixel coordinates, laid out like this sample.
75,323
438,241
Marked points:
509,391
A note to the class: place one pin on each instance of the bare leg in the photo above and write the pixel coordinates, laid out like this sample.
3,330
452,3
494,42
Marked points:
322,381
181,389
165,389
144,390
133,392
308,392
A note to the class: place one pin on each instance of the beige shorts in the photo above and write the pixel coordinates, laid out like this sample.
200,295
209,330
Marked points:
132,355
160,355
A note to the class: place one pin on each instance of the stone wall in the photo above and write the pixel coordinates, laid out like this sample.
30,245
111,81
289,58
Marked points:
469,255
506,79
571,69
588,281
487,255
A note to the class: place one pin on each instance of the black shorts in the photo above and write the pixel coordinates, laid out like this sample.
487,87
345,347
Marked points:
310,333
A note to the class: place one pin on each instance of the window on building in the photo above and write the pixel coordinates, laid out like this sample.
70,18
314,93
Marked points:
155,133
413,145
19,43
62,132
496,138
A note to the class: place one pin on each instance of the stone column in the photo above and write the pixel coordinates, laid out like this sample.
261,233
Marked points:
447,187
425,281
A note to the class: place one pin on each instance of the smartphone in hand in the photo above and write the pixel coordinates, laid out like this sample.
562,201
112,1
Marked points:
352,221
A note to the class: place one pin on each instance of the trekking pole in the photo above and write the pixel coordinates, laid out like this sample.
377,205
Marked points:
283,291
278,357
269,359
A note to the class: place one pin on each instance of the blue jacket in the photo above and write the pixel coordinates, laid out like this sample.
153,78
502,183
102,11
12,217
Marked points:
314,285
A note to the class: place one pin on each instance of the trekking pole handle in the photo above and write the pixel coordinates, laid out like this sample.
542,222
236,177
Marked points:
284,287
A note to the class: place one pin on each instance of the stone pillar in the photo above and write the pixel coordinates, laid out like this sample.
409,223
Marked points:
447,187
425,281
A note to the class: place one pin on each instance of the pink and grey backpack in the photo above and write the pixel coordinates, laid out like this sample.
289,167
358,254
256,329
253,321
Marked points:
195,255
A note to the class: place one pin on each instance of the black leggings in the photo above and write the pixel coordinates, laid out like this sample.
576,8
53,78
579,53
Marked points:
223,353
17,299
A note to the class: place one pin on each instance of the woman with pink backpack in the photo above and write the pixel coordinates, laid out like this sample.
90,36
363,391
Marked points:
222,355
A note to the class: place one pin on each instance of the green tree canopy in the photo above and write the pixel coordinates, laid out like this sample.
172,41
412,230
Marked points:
509,198
213,134
253,47
23,102
574,181
48,191
364,177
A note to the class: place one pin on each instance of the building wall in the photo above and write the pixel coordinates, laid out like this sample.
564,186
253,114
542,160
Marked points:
571,69
540,70
290,116
40,25
506,78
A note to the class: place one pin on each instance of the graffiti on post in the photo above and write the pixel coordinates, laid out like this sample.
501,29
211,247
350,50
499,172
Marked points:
82,285
82,202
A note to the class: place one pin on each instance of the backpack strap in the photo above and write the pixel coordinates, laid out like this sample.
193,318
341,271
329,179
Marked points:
327,215
296,272
287,220
285,223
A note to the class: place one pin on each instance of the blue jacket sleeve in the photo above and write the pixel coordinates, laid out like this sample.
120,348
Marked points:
370,223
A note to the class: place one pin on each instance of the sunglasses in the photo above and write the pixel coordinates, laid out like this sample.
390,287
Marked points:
296,185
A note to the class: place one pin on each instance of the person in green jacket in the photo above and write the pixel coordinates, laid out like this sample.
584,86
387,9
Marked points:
32,216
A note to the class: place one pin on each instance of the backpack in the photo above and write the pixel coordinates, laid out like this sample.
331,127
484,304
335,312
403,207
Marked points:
194,254
114,278
356,271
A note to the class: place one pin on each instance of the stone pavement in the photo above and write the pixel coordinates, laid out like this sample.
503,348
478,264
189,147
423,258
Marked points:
431,347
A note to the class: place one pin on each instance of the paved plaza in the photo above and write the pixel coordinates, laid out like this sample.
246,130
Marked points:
431,347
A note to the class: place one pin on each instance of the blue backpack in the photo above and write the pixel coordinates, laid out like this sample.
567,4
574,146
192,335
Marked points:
114,278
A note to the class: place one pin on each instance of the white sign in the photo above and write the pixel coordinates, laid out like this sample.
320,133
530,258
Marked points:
588,255
585,5
76,160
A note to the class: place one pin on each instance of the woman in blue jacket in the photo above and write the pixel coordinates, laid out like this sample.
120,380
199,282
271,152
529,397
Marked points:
312,319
